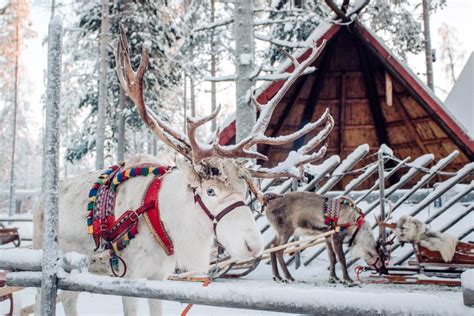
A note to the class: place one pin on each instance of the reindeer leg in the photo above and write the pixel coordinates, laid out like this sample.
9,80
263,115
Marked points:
284,268
337,244
273,261
280,240
130,306
332,262
276,274
70,302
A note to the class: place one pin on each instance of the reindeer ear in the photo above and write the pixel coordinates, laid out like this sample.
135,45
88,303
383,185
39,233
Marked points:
188,170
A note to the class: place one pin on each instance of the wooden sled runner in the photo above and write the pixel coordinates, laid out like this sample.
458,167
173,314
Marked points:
9,235
430,268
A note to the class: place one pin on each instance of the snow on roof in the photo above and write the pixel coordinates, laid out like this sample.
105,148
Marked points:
460,100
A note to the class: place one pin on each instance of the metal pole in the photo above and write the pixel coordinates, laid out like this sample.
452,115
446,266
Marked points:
51,191
382,193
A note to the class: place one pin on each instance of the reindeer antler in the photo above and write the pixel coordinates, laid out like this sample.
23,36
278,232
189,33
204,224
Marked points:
132,84
257,135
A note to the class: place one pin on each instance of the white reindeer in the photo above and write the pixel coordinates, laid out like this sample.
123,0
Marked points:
210,171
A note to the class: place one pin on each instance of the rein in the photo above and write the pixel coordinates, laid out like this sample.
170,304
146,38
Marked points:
215,219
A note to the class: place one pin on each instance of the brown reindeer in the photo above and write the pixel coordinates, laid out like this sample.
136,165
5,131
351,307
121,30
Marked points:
306,214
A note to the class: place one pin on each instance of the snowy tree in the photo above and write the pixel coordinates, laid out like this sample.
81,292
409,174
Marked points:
102,99
147,23
15,23
245,65
451,53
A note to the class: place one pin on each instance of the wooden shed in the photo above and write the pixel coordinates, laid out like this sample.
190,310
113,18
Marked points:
373,97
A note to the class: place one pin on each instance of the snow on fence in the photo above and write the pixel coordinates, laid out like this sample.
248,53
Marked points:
304,299
50,256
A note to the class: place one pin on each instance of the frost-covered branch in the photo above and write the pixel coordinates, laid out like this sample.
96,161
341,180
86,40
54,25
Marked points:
221,78
213,25
282,42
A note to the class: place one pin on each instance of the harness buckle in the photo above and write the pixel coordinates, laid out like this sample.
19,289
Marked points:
133,216
103,227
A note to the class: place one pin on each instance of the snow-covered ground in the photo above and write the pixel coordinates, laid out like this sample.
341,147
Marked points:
406,299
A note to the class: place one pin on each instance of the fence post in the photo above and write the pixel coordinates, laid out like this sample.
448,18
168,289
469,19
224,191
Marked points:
50,259
382,193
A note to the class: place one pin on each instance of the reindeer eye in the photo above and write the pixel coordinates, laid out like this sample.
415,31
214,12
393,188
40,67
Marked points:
214,171
210,192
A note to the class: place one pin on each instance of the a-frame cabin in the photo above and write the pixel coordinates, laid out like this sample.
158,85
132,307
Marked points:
373,97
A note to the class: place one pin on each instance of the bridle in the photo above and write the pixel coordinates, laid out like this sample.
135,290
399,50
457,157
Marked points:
215,219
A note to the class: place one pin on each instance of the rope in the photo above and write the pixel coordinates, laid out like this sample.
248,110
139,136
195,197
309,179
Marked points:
358,270
188,307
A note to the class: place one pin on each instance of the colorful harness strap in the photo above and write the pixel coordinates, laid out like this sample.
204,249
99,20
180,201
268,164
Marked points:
332,210
115,235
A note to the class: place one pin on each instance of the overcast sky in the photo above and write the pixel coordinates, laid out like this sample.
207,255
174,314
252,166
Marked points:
458,14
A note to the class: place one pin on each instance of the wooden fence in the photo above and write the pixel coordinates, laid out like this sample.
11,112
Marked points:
425,192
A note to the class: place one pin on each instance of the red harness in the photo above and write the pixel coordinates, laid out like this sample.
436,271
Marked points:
116,234
150,210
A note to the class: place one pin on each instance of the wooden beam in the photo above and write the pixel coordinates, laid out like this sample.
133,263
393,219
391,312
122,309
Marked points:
388,89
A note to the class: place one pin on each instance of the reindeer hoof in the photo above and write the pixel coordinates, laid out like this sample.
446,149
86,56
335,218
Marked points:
288,280
348,283
333,280
277,279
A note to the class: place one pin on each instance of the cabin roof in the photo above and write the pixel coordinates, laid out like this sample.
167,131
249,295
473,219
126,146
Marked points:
374,97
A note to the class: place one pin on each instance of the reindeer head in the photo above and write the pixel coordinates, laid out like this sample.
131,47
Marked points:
370,250
216,173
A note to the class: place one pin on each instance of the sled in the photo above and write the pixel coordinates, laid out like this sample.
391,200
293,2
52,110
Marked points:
9,235
463,257
430,268
6,293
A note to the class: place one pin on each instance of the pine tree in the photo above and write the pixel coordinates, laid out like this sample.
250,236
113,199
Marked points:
146,23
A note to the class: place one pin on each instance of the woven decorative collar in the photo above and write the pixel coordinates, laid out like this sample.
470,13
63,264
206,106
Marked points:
116,234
